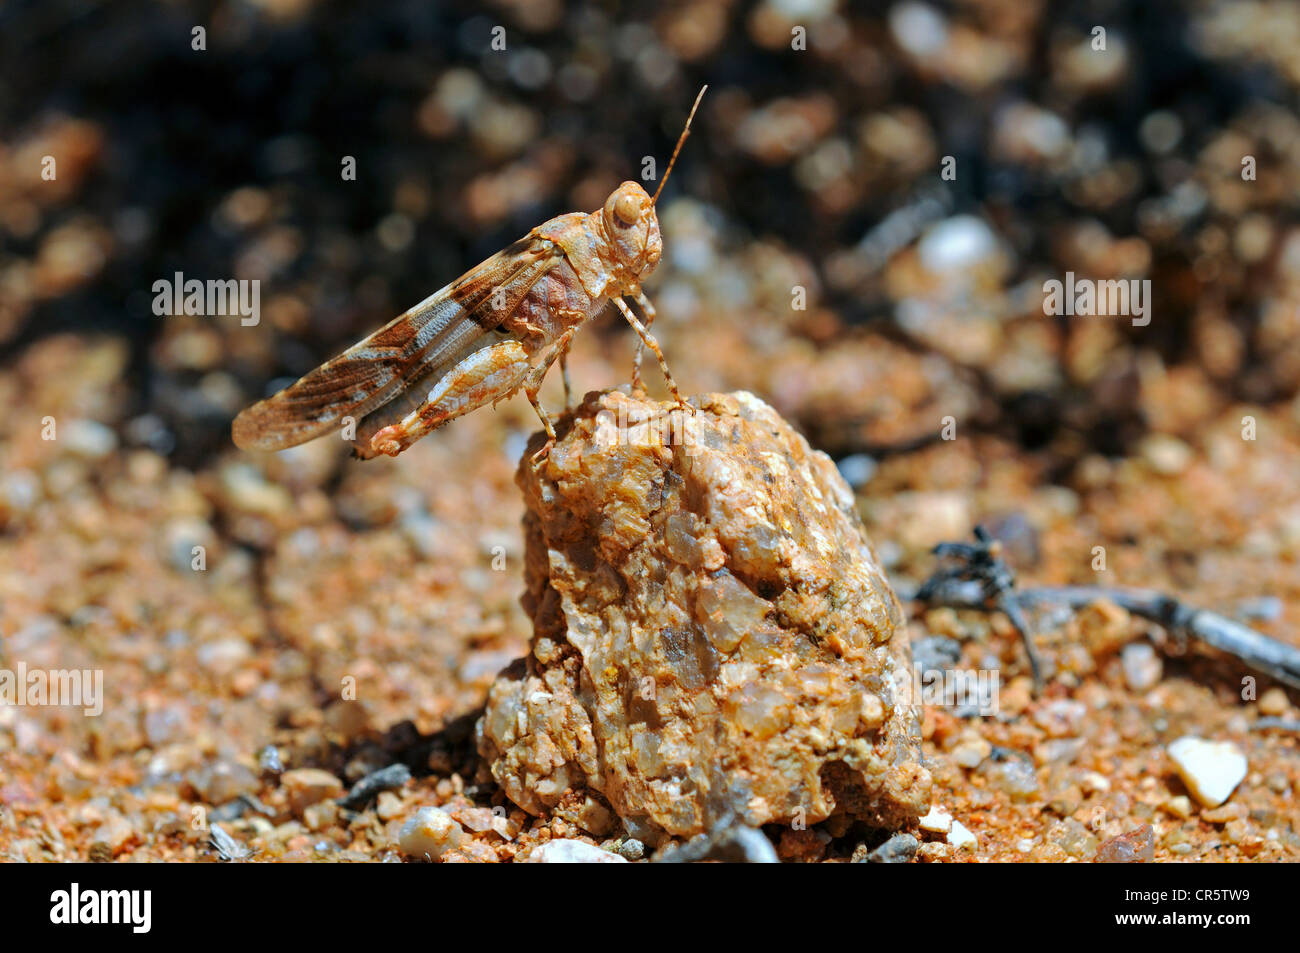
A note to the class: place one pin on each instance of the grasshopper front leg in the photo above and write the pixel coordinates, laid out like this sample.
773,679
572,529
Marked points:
648,340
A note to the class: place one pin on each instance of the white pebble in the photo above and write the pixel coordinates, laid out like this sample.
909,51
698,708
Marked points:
919,29
962,241
89,439
857,469
429,833
1093,783
565,851
969,752
1166,455
960,837
1210,769
1142,666
938,821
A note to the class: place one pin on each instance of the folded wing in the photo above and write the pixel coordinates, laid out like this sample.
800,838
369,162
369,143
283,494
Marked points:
411,349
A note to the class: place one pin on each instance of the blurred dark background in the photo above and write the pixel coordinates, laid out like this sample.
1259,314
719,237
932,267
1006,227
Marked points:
226,163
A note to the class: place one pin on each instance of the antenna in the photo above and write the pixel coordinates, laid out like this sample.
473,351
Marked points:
686,131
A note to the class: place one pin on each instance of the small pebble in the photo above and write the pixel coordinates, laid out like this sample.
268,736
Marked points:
1142,666
1237,831
857,469
1094,782
1210,769
89,439
899,849
116,831
938,821
918,28
970,751
429,834
1224,814
959,837
320,816
1133,847
1014,776
1075,839
1166,455
962,241
308,786
933,851
1274,703
268,761
630,848
1058,750
566,851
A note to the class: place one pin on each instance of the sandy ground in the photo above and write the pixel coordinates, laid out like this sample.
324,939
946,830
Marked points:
396,583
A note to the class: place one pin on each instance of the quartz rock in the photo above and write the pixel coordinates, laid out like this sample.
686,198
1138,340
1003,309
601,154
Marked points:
714,638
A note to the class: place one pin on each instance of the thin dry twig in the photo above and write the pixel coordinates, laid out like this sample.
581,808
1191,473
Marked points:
978,572
1276,724
978,578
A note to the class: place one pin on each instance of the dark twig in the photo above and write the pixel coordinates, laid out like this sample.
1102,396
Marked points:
374,784
1276,724
969,584
979,566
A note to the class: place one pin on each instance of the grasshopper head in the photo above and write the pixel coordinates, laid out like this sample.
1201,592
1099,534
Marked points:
632,228
631,225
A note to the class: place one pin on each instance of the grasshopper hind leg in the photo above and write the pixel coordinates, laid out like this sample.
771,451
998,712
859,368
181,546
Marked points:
543,453
533,384
486,376
564,376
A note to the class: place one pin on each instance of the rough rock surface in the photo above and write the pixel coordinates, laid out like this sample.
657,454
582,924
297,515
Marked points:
713,635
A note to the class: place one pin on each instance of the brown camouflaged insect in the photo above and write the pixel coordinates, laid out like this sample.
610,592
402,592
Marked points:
494,330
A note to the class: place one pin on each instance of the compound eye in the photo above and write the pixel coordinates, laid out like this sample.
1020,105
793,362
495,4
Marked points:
627,209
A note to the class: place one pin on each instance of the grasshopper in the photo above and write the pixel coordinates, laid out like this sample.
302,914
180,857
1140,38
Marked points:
493,331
